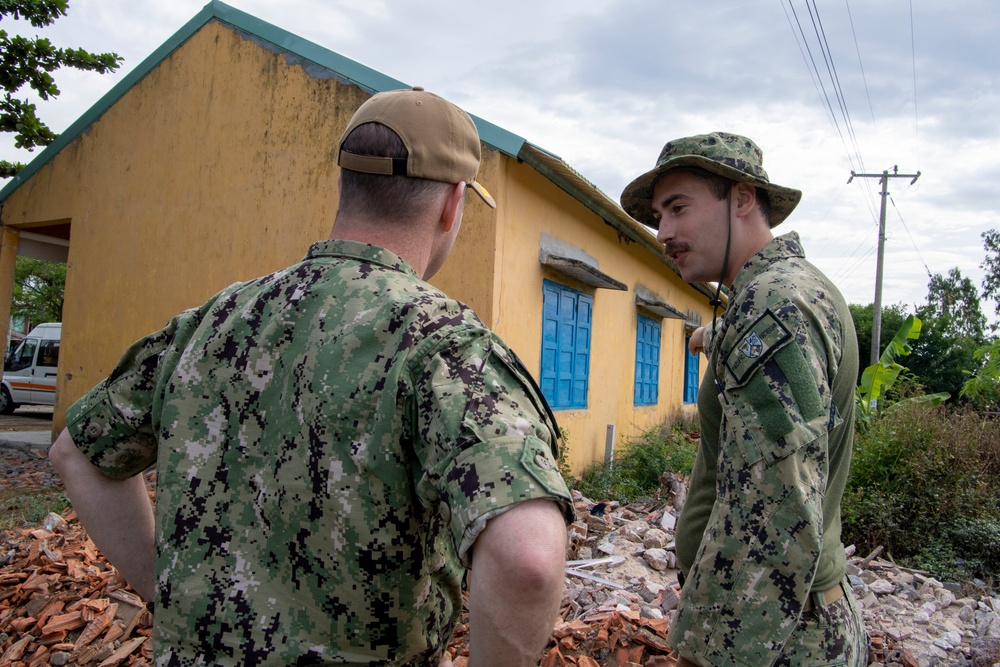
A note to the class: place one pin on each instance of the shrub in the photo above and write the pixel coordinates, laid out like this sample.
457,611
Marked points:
969,549
925,484
636,470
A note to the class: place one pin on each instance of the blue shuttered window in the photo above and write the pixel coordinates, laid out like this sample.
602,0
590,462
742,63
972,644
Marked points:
566,326
647,361
690,374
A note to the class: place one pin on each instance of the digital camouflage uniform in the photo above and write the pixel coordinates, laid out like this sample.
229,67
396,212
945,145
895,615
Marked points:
329,440
760,529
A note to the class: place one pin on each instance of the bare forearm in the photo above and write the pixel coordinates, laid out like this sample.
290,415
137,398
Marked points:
116,513
516,585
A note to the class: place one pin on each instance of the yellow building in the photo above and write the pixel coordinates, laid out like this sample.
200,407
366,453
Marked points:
213,161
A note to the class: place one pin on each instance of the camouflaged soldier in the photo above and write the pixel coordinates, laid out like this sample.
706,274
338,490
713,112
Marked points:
335,443
759,538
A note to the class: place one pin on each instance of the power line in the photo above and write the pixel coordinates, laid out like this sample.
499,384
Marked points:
805,60
825,96
854,151
831,68
912,240
913,56
861,64
826,215
853,156
849,269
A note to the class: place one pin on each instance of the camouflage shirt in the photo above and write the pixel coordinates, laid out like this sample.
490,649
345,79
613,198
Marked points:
329,440
761,526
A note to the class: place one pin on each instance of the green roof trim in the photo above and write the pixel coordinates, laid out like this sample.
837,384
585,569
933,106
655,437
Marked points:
307,54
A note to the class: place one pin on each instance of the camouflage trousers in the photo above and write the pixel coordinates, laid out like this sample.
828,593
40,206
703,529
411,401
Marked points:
828,635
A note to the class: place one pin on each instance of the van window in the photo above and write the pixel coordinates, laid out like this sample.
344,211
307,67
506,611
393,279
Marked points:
22,356
48,353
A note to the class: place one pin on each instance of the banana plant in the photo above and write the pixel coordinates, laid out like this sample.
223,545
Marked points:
878,378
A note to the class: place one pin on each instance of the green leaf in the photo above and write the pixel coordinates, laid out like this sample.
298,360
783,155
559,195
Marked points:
877,379
29,62
933,399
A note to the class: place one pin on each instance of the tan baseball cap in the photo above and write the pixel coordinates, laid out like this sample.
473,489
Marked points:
441,140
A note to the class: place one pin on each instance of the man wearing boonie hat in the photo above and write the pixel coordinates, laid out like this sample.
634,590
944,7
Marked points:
335,443
758,543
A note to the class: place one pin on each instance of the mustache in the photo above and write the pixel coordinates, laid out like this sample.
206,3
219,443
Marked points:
672,247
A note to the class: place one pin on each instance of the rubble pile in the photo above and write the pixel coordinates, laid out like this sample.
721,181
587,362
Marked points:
916,621
621,553
26,470
61,603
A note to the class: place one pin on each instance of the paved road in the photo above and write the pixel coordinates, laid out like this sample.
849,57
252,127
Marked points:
29,427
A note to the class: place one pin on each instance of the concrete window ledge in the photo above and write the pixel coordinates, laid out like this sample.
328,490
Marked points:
574,262
656,304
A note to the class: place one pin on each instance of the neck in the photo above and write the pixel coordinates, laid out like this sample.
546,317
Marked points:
408,240
746,248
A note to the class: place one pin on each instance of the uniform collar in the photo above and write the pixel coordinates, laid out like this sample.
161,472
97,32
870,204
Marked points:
779,248
364,252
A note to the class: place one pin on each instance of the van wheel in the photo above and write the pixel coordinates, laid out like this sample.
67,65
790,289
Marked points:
7,404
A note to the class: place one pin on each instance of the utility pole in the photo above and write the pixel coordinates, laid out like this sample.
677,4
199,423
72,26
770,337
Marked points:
877,307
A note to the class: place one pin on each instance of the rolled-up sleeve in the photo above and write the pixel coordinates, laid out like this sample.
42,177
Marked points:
487,442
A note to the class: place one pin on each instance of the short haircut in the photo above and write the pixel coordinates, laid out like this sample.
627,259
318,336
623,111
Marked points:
378,196
720,187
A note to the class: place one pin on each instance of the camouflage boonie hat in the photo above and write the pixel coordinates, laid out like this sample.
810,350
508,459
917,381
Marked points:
722,153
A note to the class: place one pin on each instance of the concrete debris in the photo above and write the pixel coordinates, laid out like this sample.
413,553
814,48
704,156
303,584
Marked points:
913,619
660,559
61,603
985,651
676,486
655,539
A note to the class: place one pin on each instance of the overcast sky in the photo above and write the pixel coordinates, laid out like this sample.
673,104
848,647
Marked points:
605,83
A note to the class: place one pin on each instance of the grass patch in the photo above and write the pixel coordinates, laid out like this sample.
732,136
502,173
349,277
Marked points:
636,470
27,508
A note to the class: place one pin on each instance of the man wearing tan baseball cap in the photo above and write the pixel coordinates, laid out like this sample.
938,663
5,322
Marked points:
336,443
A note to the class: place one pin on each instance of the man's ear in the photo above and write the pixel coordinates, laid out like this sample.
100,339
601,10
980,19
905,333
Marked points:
746,198
452,211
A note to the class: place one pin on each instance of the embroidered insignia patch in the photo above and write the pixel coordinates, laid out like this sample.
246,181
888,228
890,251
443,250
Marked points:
751,346
759,339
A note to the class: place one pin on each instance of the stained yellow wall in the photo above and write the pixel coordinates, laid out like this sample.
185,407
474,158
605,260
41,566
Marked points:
533,206
218,166
468,274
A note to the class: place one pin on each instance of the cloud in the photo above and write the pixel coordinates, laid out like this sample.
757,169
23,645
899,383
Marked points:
604,83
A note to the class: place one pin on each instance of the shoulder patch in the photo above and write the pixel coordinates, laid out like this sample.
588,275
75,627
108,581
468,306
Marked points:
754,344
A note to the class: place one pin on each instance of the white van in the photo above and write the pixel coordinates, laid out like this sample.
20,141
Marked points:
29,372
